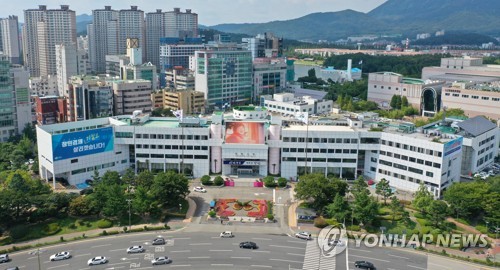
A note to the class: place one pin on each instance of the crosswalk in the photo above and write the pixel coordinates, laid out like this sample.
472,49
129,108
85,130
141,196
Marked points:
313,259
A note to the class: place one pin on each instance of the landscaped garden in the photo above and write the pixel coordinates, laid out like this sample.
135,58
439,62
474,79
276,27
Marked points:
258,209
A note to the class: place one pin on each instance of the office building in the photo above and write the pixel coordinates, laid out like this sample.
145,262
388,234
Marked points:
9,39
175,52
15,108
179,78
474,98
269,76
89,97
189,101
66,66
424,95
43,29
51,110
264,45
43,86
462,69
224,74
131,95
113,64
287,104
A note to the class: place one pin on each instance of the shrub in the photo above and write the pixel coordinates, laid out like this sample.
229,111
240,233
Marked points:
482,229
450,225
270,216
269,181
137,230
418,215
166,227
282,182
206,180
125,228
320,222
355,228
72,226
145,227
212,213
104,223
51,229
104,232
218,181
61,239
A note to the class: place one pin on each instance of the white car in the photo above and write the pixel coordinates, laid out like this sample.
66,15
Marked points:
60,256
97,260
226,234
337,243
161,260
303,235
199,189
135,249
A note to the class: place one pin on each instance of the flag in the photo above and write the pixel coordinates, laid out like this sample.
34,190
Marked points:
178,114
361,62
302,116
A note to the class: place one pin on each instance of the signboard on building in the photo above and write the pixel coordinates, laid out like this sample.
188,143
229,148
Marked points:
245,132
82,143
453,146
242,162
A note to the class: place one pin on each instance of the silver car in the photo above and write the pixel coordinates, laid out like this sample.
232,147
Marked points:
161,260
60,256
135,249
97,260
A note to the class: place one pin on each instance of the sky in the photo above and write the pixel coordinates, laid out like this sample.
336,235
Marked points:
210,12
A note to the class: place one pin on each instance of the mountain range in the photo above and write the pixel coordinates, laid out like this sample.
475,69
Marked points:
407,17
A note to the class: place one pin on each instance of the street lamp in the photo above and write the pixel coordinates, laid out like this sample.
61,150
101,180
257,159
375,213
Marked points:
180,207
37,252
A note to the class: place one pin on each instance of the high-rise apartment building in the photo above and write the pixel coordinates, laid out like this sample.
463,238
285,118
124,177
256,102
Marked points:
102,37
43,29
9,39
266,45
67,66
43,86
130,25
172,24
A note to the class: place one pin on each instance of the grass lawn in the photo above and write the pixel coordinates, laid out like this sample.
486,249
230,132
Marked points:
306,62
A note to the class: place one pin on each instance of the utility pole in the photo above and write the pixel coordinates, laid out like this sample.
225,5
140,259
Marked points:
129,214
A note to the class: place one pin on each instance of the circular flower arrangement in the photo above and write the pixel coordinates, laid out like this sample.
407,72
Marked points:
247,207
237,206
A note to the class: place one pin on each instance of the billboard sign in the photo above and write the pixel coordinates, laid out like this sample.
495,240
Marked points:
82,143
242,162
453,146
244,133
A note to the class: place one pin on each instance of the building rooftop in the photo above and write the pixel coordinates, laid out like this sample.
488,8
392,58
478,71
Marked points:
249,108
476,126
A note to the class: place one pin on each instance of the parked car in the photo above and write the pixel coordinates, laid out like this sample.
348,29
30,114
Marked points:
86,191
60,256
364,265
303,235
199,189
159,241
248,244
226,234
4,258
135,249
97,260
161,260
12,268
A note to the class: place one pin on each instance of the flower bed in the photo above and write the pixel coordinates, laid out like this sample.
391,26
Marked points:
237,207
261,209
247,207
221,207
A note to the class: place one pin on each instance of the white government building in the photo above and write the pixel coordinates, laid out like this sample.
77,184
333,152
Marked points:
253,143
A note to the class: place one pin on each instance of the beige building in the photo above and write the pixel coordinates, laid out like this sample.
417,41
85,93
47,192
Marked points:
382,86
190,101
131,95
462,69
179,79
474,99
157,99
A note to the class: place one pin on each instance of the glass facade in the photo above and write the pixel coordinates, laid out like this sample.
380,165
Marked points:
6,96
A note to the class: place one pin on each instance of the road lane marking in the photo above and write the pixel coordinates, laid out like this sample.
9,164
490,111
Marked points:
300,242
62,265
294,254
31,258
105,245
415,267
280,260
241,258
182,238
356,250
215,237
406,258
86,254
261,266
286,247
364,257
118,263
139,241
202,257
179,251
201,244
222,264
441,266
180,265
265,239
261,251
115,250
221,250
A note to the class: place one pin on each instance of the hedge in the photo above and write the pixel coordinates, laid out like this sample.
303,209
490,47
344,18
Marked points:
51,229
104,223
320,222
218,181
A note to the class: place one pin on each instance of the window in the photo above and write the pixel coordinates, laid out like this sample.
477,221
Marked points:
436,165
429,174
74,160
399,166
415,170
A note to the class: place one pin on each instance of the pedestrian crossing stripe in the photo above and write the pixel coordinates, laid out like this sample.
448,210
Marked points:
313,260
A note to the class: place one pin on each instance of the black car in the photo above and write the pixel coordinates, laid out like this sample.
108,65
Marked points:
364,265
158,241
250,245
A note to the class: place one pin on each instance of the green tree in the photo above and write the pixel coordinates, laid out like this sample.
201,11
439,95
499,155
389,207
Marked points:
143,202
350,106
95,177
116,202
81,206
438,210
466,199
128,177
396,207
145,179
112,178
404,102
365,208
405,218
394,102
383,189
339,209
422,198
319,189
360,186
170,188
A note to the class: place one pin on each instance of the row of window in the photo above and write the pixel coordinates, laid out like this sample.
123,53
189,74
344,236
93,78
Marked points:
484,159
171,156
403,177
171,137
382,87
486,149
98,167
413,148
329,160
322,150
405,168
173,147
473,97
321,140
487,140
411,159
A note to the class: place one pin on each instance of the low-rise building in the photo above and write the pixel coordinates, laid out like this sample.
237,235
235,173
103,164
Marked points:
131,95
288,104
189,101
51,110
269,76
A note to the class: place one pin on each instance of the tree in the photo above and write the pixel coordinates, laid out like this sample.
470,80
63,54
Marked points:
81,206
405,218
95,177
143,202
319,189
339,209
422,199
145,179
466,199
128,177
112,178
116,203
438,210
365,208
396,207
404,102
383,189
311,73
170,188
359,186
394,101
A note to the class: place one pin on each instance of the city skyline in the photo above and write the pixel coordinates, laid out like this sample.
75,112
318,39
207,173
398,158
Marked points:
217,12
